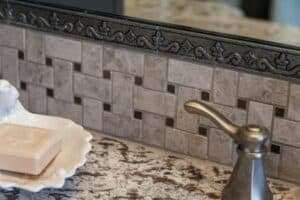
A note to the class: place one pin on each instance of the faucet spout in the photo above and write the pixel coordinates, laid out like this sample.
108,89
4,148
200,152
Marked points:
196,107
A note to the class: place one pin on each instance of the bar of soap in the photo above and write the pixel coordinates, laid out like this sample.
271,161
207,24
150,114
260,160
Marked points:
26,149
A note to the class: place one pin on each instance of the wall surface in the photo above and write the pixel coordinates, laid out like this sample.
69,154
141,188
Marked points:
140,96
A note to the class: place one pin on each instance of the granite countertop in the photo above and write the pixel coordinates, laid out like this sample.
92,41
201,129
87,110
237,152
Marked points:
119,170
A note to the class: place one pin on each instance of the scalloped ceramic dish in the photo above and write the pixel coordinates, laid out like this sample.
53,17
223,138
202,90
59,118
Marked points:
75,146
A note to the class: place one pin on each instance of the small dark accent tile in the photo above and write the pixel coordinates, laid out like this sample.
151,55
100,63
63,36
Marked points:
77,67
275,148
205,96
242,104
50,92
138,80
77,100
202,131
138,115
279,112
169,122
171,88
106,107
23,85
21,55
48,61
106,74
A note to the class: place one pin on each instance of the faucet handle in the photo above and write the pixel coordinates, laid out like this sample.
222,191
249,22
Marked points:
250,138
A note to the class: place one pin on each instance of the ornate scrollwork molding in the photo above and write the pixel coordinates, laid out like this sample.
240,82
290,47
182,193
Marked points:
155,38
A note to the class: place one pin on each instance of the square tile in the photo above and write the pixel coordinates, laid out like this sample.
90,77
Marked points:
242,104
23,85
77,100
171,89
107,107
169,122
275,148
77,67
50,92
21,55
203,131
48,61
138,81
106,74
205,96
138,115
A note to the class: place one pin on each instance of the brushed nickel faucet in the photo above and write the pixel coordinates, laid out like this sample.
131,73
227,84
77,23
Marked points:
248,179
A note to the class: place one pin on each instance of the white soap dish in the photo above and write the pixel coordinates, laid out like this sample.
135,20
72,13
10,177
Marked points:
75,146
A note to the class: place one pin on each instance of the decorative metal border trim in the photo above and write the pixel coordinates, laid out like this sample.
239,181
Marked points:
201,46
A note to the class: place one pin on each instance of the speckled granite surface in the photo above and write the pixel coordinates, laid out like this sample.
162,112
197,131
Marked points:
120,170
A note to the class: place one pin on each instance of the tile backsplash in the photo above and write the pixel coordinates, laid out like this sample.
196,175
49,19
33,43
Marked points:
140,96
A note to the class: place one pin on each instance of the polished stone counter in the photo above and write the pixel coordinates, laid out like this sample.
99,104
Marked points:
120,170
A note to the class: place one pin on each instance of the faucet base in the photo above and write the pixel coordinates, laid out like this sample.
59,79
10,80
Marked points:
248,181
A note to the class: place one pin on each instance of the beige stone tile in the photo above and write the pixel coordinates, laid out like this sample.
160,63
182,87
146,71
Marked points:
198,146
92,57
123,60
9,65
153,131
122,126
220,147
286,132
122,97
37,74
294,102
12,36
88,86
37,99
155,72
261,114
184,120
65,109
290,164
63,80
272,164
59,47
235,115
176,140
149,100
35,48
92,114
170,105
190,74
225,86
24,98
267,90
110,123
